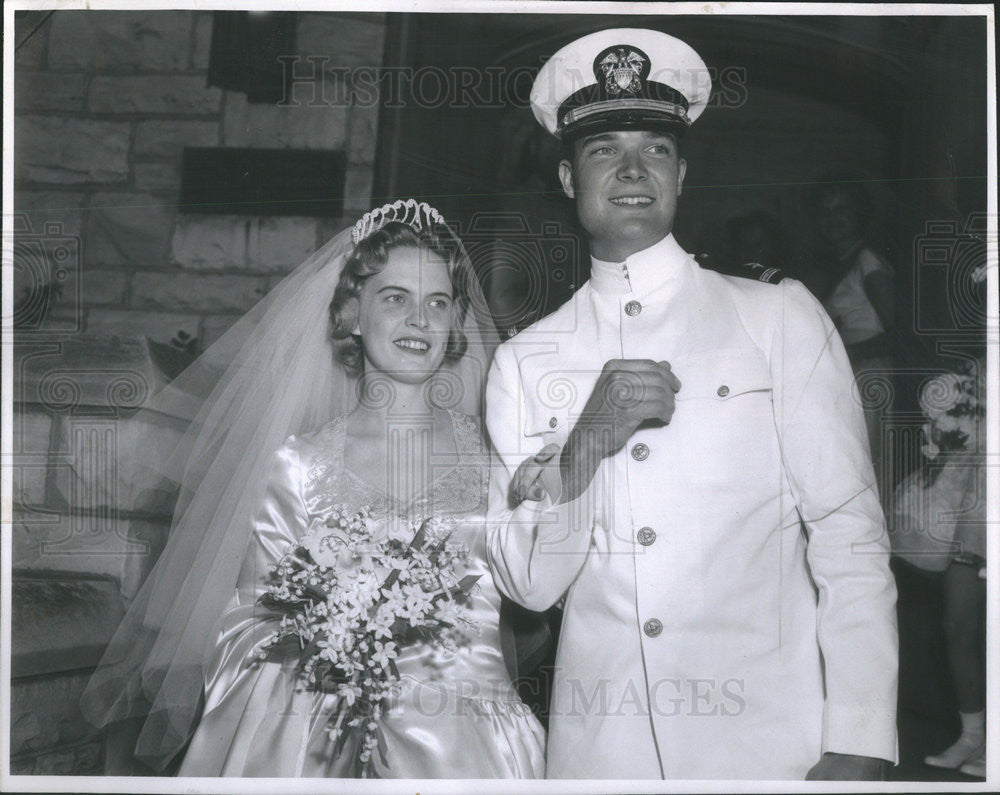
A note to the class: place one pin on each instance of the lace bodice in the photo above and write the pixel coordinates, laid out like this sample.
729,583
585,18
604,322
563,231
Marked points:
459,489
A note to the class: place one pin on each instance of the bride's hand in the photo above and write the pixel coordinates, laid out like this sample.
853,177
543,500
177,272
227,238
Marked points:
527,481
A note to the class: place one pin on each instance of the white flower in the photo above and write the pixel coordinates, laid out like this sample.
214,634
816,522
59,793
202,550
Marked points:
380,625
383,653
349,691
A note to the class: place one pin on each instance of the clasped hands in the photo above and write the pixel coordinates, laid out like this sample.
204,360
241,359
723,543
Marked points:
628,393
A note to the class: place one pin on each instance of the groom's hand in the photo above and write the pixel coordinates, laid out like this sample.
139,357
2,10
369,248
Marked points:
847,767
627,393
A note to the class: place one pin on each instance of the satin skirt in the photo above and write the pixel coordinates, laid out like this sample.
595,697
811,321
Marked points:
268,728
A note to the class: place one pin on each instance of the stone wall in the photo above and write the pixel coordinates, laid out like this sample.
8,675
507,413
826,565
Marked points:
116,288
105,103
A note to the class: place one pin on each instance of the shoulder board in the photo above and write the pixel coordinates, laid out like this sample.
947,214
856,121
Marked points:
760,273
748,270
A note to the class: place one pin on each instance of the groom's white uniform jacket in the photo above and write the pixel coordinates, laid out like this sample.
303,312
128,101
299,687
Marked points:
704,634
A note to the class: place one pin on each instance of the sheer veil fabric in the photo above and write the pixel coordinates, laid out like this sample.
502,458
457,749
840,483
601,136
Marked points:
273,374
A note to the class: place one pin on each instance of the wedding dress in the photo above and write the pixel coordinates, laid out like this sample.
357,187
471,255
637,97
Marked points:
458,715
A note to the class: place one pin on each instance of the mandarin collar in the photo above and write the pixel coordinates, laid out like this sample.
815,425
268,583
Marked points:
642,272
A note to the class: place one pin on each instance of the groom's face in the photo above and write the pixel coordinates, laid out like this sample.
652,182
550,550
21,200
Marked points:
626,185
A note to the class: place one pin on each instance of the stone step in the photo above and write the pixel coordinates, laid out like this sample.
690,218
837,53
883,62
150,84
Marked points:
61,621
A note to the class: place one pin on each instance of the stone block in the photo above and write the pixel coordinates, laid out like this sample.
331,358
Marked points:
128,229
120,41
107,374
211,242
104,463
281,243
364,133
102,545
69,151
83,759
202,46
348,39
60,622
95,287
45,712
31,432
29,463
196,292
136,324
176,95
223,242
61,212
301,126
167,137
162,178
47,91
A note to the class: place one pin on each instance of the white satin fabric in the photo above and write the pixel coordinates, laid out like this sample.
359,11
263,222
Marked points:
458,715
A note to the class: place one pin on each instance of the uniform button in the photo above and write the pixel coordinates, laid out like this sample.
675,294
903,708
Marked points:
722,391
640,452
553,422
633,308
653,627
646,536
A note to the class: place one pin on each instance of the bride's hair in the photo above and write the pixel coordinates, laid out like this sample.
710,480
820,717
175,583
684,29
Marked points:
368,258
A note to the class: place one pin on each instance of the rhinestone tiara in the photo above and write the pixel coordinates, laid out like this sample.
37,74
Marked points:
418,215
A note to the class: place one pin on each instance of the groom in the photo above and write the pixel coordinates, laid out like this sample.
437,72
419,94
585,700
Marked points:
685,466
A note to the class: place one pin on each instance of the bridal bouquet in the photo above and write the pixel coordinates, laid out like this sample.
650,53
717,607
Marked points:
350,595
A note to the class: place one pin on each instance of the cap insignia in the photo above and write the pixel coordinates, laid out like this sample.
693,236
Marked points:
621,69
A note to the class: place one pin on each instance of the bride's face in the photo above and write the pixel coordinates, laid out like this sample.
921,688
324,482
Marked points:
406,311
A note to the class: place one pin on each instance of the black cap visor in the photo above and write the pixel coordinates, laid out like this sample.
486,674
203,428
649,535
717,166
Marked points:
613,121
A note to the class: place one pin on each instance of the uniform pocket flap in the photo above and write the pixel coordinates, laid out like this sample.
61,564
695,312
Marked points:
723,375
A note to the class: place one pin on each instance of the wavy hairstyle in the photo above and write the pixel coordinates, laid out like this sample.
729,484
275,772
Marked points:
368,258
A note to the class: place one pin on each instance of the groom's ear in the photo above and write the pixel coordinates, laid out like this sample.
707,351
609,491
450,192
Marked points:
566,178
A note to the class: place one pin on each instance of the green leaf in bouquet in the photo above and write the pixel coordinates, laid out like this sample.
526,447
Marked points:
283,647
310,648
315,594
462,588
345,732
420,538
466,583
331,679
288,607
440,544
389,582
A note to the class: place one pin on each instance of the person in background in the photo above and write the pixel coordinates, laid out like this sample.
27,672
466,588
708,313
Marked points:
859,297
939,526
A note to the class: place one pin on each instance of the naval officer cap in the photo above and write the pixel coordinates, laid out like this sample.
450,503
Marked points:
624,78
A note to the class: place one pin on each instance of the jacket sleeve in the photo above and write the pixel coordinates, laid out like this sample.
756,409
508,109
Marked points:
828,464
536,549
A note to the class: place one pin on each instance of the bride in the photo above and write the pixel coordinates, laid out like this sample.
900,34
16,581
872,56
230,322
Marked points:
387,420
